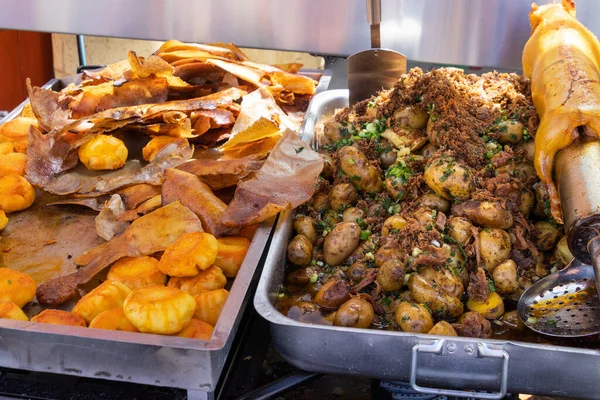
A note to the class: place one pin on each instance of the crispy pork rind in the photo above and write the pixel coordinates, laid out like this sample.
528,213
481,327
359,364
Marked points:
107,221
220,174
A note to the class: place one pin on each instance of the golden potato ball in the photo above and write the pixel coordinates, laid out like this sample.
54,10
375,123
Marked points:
210,304
113,320
137,272
197,329
16,287
3,220
211,279
13,164
16,193
161,310
492,308
155,145
12,311
107,296
103,152
6,148
59,317
17,132
190,254
231,253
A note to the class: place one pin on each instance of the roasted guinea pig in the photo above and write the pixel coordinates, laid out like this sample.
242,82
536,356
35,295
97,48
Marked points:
562,59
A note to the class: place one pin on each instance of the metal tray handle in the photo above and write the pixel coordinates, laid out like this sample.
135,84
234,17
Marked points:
448,348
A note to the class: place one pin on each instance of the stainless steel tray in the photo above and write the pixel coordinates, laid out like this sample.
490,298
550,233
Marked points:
157,360
432,364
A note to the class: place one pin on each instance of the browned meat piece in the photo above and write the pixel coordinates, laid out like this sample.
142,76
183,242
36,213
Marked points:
332,294
478,289
472,324
369,278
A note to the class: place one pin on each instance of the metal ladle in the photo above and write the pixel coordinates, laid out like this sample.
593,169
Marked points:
566,303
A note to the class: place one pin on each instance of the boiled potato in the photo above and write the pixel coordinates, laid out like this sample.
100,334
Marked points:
391,275
459,229
331,217
107,296
210,304
561,252
528,149
386,253
59,317
546,235
103,152
425,216
328,165
3,220
13,164
411,117
113,320
137,272
393,223
301,276
525,201
352,214
443,328
342,196
6,148
388,158
442,304
542,200
12,311
209,279
16,193
413,317
197,329
523,170
355,313
434,202
341,242
161,310
190,254
510,131
489,214
494,247
432,133
506,279
445,279
429,150
492,308
155,145
231,254
449,179
356,272
320,202
17,132
364,176
16,287
306,226
332,294
396,188
299,250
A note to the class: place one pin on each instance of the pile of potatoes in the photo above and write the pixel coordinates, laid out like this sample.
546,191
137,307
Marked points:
182,293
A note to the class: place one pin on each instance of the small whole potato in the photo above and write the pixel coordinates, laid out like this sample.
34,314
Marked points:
434,202
356,272
506,279
301,276
341,196
396,188
413,317
12,311
411,117
103,152
231,254
299,251
331,217
210,304
59,317
425,216
332,294
443,328
489,214
494,247
510,131
542,200
306,226
320,202
386,253
196,329
107,296
363,174
432,133
16,287
459,229
525,171
391,275
341,242
429,150
328,166
137,272
492,308
114,320
393,223
526,201
388,158
442,304
13,164
445,279
16,193
211,278
449,179
352,214
190,254
528,149
562,253
546,235
355,313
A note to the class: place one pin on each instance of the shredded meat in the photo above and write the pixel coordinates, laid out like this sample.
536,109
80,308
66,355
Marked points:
473,324
478,289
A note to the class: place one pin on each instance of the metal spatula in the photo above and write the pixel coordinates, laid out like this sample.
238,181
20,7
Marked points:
566,303
371,70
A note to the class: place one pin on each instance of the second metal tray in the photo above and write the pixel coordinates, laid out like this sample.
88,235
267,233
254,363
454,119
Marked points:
431,364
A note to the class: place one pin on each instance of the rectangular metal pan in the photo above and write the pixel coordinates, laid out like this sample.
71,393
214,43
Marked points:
157,360
432,364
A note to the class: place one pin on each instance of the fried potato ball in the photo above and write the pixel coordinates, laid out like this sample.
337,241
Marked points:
190,254
17,132
103,152
137,272
12,311
13,163
231,254
162,310
211,279
197,329
108,296
59,317
16,287
210,304
6,148
3,220
155,145
16,193
113,320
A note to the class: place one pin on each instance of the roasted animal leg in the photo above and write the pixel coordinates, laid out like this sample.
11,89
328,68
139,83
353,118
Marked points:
562,59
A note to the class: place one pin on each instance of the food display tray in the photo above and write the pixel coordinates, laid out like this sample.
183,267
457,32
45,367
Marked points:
452,366
191,364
